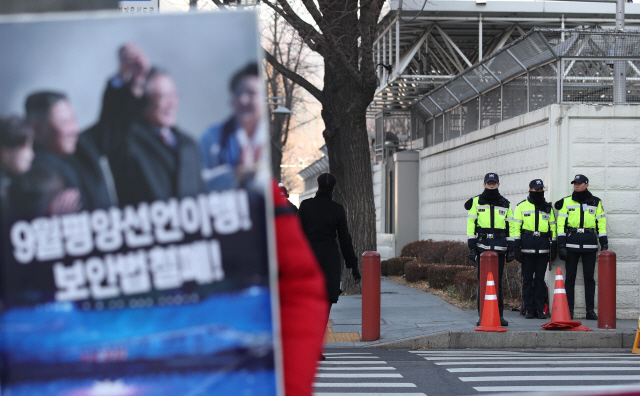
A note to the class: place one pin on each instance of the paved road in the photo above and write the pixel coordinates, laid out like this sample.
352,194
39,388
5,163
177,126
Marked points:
379,372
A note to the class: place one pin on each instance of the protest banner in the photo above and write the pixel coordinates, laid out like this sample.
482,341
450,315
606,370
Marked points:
135,256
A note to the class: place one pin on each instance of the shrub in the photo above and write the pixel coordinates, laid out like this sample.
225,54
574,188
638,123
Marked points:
429,251
458,254
394,266
512,281
413,249
466,282
440,276
415,271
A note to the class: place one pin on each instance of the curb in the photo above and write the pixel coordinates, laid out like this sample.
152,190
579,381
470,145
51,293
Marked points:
513,339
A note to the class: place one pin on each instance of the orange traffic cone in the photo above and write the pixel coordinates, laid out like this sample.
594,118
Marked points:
560,317
636,342
490,312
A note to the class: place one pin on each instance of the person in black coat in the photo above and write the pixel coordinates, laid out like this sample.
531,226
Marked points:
322,219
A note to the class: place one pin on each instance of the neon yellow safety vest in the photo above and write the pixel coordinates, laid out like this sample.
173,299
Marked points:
533,229
491,225
581,224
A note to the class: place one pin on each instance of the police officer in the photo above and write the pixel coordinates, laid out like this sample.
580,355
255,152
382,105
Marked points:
488,230
581,222
534,230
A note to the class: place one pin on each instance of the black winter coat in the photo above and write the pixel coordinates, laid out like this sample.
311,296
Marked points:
321,219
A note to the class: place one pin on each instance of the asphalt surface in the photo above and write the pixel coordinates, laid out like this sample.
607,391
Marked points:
381,372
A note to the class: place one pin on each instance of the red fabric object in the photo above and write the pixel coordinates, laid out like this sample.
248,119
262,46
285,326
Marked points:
303,300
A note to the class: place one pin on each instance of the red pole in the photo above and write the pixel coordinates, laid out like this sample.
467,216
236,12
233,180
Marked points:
488,263
370,296
607,290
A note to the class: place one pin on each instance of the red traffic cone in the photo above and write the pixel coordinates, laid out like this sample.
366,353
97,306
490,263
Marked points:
490,313
560,317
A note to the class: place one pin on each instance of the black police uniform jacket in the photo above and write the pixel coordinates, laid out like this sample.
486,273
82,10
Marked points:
322,219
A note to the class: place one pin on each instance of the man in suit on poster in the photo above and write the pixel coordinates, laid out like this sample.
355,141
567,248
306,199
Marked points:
233,151
156,161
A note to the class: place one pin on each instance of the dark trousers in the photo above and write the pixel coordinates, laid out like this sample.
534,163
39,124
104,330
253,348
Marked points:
588,268
501,258
533,267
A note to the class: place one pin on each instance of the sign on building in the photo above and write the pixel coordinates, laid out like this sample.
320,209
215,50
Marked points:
139,6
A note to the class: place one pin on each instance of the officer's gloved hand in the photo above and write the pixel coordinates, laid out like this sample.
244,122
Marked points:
604,243
356,275
510,256
473,254
562,252
518,254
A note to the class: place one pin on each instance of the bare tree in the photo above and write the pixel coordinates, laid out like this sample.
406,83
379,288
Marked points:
280,40
342,33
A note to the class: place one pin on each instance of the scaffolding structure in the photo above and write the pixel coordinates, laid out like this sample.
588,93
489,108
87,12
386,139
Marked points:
545,66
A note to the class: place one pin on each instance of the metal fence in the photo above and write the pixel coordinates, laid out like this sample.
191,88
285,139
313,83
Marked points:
544,67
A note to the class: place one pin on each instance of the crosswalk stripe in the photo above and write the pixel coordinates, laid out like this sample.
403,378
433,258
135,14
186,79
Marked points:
367,394
347,353
535,362
522,354
357,368
559,388
529,358
354,362
364,385
359,375
503,369
351,357
501,378
465,352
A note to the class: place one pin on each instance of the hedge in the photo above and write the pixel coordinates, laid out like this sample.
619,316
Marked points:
446,263
441,276
415,271
466,282
394,266
443,252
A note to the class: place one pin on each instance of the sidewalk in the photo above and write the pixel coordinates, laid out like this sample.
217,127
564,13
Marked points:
411,319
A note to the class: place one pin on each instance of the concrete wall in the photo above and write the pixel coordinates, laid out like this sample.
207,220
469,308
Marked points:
378,175
385,242
453,171
405,192
603,142
553,143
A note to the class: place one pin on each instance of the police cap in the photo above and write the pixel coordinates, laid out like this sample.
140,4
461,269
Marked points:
491,177
536,184
580,179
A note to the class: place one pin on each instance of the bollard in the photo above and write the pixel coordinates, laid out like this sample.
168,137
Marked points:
488,263
370,296
607,290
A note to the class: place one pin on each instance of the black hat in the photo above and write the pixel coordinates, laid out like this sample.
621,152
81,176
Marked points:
580,179
536,184
491,177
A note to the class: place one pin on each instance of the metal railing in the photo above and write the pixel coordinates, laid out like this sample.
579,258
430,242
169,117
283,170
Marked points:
544,67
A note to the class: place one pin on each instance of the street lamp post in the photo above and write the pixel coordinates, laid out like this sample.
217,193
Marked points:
279,102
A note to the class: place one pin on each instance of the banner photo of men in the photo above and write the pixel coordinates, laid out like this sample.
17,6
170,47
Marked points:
134,213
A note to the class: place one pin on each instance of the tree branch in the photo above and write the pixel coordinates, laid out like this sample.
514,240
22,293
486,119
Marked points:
219,4
296,78
307,33
369,13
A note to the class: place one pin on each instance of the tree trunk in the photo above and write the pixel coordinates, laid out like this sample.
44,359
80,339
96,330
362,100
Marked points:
344,114
276,160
